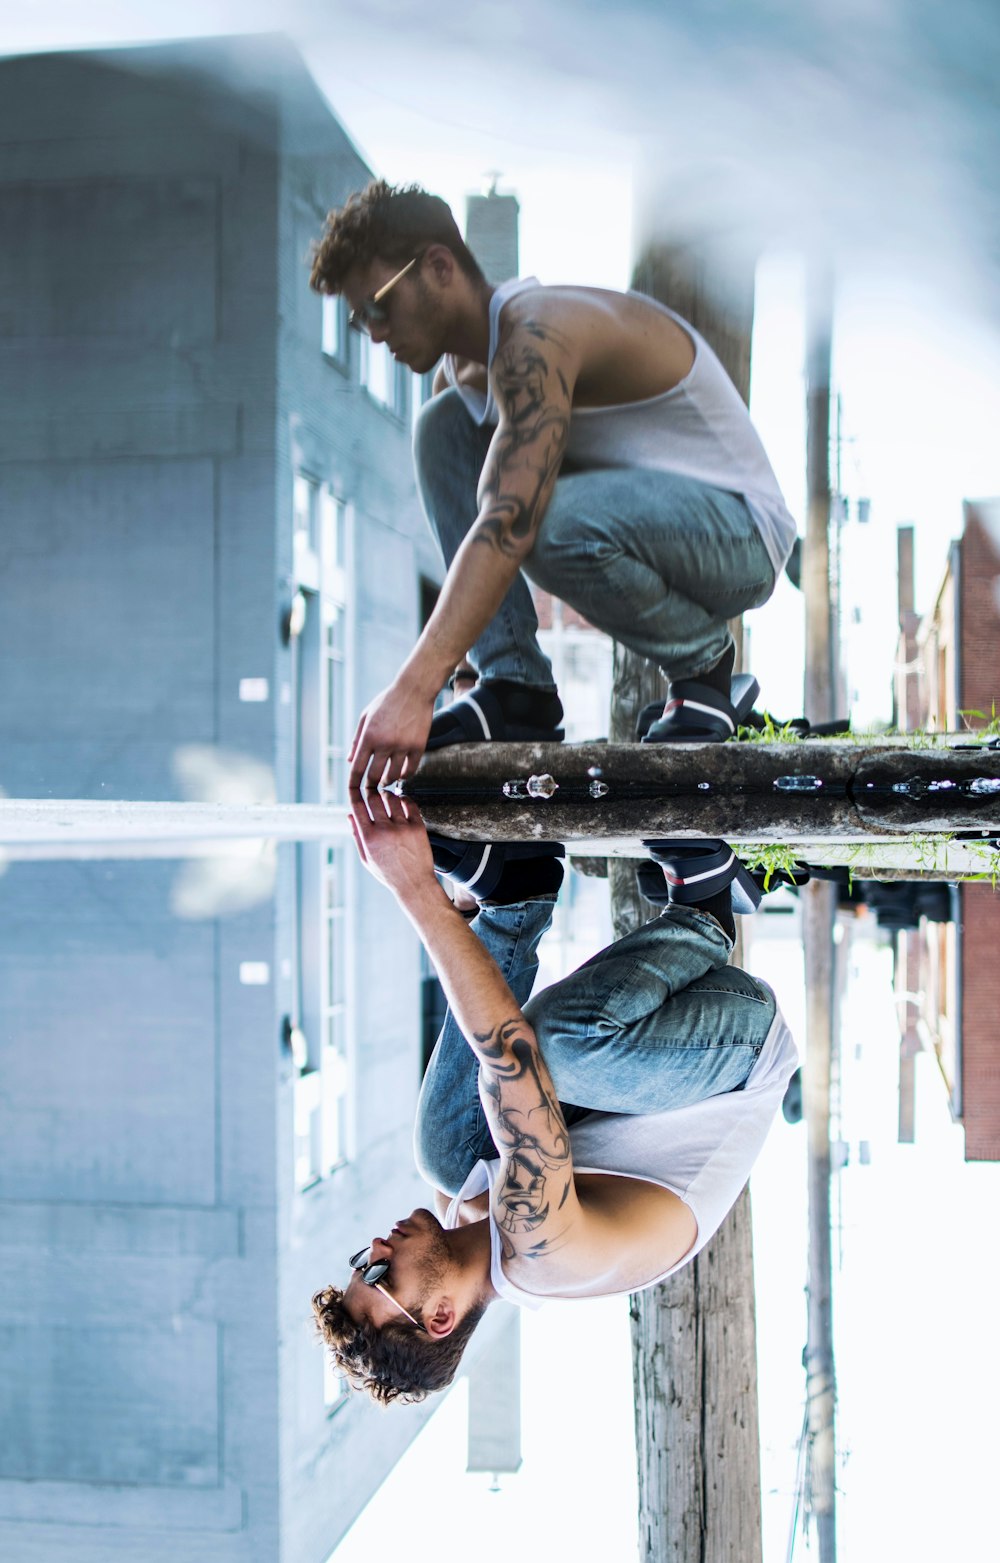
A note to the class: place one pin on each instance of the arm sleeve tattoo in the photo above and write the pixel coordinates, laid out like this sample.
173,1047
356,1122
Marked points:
531,1136
534,399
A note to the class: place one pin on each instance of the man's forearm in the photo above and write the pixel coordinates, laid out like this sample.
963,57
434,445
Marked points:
474,588
480,1000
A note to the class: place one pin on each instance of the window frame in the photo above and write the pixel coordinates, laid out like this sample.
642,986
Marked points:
323,1100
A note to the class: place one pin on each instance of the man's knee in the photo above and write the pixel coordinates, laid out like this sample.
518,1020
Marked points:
431,1165
570,539
440,1164
441,423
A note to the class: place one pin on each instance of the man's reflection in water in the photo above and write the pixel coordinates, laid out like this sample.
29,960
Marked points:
581,1143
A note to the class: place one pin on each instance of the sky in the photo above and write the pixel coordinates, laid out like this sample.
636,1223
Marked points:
869,132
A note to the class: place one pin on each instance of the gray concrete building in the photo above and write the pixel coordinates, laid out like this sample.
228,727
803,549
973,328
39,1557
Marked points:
211,556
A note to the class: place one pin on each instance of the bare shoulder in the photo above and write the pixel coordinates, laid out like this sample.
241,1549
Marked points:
630,1231
623,347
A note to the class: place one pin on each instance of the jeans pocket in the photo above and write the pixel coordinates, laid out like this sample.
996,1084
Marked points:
734,984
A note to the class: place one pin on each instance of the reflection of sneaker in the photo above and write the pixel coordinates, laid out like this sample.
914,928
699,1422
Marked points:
501,871
693,871
698,713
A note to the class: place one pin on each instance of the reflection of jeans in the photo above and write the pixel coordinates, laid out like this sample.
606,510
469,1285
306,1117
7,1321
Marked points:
657,560
656,1020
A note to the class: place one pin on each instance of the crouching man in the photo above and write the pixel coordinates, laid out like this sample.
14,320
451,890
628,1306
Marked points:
585,1142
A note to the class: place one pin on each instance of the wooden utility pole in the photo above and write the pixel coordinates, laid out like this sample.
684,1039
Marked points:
819,915
694,1340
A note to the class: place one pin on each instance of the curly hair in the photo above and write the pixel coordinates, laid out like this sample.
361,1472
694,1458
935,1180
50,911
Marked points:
391,222
394,1362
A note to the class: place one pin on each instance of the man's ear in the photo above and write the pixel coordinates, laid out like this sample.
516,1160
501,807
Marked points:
442,1321
441,264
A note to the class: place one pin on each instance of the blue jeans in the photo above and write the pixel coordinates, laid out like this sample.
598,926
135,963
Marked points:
656,560
656,1020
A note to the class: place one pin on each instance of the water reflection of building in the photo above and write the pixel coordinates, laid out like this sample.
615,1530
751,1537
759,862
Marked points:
947,676
213,557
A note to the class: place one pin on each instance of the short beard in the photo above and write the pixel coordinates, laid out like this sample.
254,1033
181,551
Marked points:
435,1263
432,322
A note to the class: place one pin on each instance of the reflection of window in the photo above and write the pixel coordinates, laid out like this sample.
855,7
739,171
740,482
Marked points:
382,377
322,1086
335,327
335,1390
334,650
334,1010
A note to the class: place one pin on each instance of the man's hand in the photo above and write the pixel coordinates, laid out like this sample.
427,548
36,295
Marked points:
392,844
391,735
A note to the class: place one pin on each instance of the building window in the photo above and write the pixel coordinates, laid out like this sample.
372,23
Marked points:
382,377
324,869
421,390
305,535
335,338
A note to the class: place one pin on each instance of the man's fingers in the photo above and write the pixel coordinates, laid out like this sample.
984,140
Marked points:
357,735
377,769
360,811
359,841
358,768
394,770
411,813
383,798
398,809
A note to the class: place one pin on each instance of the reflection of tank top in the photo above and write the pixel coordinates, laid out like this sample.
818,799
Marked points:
702,1153
700,429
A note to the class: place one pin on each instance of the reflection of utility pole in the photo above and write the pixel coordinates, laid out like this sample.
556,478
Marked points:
819,911
816,552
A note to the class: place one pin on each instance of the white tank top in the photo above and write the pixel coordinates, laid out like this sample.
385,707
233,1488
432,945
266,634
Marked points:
702,1153
700,429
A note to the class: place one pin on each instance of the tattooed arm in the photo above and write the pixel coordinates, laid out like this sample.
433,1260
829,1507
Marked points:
535,1204
535,1201
533,375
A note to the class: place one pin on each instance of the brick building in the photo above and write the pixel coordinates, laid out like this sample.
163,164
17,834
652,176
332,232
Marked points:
947,677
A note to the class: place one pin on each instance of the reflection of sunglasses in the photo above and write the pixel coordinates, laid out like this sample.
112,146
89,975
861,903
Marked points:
372,312
371,1274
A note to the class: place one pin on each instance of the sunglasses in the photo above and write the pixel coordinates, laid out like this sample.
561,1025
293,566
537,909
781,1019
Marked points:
371,1275
372,312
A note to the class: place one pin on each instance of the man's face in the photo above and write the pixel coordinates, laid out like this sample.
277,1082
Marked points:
412,325
418,1258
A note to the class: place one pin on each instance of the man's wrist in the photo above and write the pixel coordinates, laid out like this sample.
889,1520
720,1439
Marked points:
424,898
424,675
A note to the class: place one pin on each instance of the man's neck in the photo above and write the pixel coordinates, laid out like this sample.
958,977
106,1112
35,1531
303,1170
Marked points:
469,1248
469,336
